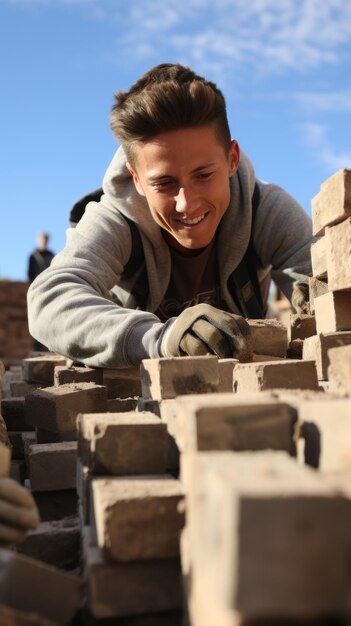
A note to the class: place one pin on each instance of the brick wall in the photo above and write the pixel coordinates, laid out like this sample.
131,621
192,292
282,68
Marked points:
15,340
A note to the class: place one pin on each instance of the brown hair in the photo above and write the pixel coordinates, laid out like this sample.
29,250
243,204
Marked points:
168,97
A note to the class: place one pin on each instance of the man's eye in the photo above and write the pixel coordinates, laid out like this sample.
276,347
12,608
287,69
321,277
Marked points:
205,175
161,185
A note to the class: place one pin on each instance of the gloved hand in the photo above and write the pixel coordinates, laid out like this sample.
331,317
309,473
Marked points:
203,329
18,512
300,298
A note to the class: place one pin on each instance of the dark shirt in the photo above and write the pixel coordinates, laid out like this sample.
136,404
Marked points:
195,279
39,260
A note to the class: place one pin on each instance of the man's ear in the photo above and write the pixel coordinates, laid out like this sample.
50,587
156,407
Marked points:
233,157
136,180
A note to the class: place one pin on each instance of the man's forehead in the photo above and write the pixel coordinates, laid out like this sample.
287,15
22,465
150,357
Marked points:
191,148
159,173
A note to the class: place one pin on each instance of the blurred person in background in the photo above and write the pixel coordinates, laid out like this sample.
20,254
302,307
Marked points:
39,261
40,258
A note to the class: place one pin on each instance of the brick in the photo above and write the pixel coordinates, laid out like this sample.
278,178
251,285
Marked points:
319,258
18,440
301,327
34,587
139,587
153,406
52,466
56,543
5,459
165,378
40,369
339,371
225,370
20,388
13,412
269,337
333,203
18,470
122,383
56,408
317,288
294,374
295,349
276,567
316,348
64,375
338,251
295,397
168,411
138,518
326,430
11,617
333,311
48,436
165,618
259,358
53,505
122,443
228,421
122,405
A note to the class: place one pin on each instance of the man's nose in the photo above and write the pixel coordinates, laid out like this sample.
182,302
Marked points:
186,200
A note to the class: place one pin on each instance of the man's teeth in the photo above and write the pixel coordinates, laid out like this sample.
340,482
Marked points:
196,220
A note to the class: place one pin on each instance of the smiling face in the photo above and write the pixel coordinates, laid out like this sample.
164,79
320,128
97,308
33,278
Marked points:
184,176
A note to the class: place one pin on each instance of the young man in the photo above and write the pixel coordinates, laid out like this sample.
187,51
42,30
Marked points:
168,262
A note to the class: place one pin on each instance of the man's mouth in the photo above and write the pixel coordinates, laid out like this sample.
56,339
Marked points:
193,221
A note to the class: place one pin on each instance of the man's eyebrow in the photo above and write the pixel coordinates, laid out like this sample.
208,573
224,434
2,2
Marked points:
159,177
203,167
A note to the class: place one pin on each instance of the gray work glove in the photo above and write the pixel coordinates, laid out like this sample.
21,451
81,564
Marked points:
203,329
300,298
18,512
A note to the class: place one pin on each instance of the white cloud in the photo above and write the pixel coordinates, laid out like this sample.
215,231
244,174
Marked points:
325,101
315,137
262,36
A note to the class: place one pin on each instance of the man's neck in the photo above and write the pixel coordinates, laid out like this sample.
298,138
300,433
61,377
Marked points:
175,245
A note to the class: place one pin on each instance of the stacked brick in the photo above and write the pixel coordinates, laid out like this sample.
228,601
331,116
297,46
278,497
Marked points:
196,488
15,340
32,593
330,286
132,512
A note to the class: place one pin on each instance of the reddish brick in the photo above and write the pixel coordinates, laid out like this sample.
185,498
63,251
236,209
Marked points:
291,374
138,518
56,408
33,587
333,203
122,443
40,369
333,311
165,378
52,466
132,588
338,250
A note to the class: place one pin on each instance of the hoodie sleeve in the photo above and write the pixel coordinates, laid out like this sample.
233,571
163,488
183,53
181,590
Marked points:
283,237
70,309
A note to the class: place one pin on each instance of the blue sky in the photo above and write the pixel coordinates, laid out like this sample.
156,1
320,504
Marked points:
284,68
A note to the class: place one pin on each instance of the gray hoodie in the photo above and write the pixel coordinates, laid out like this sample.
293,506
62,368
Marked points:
80,307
